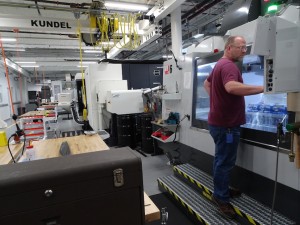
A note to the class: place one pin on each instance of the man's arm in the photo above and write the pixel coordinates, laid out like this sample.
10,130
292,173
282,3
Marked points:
237,88
207,86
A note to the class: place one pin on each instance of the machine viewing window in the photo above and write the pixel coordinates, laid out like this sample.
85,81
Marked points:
263,111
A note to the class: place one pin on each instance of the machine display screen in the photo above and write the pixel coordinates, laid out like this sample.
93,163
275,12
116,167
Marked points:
263,111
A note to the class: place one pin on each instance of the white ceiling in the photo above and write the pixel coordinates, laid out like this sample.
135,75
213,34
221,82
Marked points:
58,54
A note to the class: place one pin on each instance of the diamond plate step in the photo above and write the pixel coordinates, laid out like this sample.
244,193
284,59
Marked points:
246,207
202,210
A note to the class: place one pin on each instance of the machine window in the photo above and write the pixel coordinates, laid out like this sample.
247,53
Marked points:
263,111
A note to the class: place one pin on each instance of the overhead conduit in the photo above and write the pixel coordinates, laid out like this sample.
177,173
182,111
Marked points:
71,5
189,15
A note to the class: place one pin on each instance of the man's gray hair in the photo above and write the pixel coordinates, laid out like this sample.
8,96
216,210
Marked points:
230,41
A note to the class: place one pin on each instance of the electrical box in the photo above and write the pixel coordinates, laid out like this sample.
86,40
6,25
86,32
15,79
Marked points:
282,71
277,39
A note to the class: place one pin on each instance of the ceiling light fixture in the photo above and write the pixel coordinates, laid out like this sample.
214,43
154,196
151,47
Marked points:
126,6
25,62
196,36
86,62
82,66
93,51
107,43
29,66
8,39
243,10
14,50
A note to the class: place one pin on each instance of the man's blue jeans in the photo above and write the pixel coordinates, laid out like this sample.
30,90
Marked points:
224,161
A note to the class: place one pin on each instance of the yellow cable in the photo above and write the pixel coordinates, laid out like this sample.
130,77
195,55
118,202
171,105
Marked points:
99,25
82,73
119,27
115,28
136,35
116,23
129,27
92,25
123,31
129,30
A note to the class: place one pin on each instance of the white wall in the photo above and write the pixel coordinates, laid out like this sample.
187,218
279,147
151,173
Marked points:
19,97
93,74
255,159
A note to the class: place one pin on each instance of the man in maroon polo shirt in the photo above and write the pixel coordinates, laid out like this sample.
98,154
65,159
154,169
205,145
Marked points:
227,112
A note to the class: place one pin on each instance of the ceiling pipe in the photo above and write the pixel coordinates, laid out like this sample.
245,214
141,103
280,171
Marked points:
44,7
198,9
72,5
176,32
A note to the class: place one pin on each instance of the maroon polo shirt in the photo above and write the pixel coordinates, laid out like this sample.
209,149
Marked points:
226,110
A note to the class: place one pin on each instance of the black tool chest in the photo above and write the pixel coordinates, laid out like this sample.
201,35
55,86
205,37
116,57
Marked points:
98,188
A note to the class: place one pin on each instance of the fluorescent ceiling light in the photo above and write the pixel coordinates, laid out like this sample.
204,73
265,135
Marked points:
86,62
14,50
25,62
107,43
28,66
93,51
8,39
82,66
126,6
198,36
243,10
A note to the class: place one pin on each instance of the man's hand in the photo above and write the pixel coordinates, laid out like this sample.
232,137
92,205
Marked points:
207,86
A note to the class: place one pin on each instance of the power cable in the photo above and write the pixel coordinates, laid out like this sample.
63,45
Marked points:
177,126
13,159
279,136
180,68
84,114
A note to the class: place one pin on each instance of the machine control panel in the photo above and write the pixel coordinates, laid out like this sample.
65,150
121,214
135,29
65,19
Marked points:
269,75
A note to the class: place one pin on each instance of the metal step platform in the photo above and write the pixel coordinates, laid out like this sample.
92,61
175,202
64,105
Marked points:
247,208
199,208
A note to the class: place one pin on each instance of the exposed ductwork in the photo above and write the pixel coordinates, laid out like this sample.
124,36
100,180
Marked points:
83,5
50,47
241,12
192,13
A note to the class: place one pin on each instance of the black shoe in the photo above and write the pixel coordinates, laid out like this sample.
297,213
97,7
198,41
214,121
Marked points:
225,208
234,192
